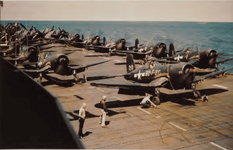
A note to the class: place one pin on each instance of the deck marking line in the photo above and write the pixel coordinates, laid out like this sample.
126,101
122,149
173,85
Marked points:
218,145
100,90
177,126
220,86
117,60
143,110
116,97
106,58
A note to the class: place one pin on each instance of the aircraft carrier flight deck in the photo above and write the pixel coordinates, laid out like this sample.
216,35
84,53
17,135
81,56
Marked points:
178,123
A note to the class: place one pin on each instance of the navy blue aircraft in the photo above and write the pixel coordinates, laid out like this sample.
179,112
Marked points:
154,78
142,51
112,47
56,67
203,59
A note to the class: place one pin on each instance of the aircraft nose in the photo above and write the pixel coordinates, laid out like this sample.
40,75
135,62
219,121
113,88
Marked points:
213,54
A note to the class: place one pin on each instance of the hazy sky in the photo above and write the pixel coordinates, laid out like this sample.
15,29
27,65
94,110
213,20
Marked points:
119,10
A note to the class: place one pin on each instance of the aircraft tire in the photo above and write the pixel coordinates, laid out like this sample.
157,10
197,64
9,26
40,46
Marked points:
156,100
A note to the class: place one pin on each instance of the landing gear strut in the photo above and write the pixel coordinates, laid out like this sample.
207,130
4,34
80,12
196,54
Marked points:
40,78
76,78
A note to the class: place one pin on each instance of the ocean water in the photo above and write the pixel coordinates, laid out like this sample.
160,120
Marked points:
215,35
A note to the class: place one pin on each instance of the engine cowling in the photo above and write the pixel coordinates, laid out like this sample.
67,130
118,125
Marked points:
30,53
60,65
159,50
208,58
96,40
121,44
182,75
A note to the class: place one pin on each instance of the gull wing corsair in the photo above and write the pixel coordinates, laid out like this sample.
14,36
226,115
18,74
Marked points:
95,42
76,41
201,59
55,67
113,47
105,47
142,51
153,77
60,33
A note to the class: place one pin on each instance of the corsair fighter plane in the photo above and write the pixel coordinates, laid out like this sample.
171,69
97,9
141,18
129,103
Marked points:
203,59
56,67
153,77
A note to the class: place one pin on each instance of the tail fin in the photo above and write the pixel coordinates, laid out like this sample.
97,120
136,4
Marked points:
136,43
104,40
130,65
172,50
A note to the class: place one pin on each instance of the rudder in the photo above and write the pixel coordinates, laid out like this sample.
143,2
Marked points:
130,65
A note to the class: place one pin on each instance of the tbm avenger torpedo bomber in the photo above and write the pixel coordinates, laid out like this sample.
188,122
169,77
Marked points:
153,77
56,67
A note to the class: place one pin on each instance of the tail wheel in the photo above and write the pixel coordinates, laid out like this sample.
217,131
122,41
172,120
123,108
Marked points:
156,100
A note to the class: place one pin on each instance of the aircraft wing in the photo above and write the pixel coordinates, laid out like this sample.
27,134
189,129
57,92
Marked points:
40,44
121,85
89,78
132,52
223,61
162,60
17,58
27,63
193,61
61,77
200,78
130,47
81,43
37,70
99,47
87,65
155,83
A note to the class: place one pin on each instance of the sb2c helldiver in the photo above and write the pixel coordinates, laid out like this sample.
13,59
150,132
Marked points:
153,77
